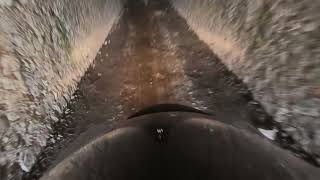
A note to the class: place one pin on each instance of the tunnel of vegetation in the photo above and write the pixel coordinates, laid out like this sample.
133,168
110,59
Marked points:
47,46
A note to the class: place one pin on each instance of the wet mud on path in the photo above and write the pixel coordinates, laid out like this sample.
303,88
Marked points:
151,57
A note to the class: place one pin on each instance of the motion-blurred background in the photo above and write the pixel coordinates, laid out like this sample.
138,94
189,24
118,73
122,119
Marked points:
67,65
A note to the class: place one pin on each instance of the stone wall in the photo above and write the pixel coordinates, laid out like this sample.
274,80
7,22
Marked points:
45,48
274,47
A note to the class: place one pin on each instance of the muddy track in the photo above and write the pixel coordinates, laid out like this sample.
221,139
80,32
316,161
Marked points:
151,57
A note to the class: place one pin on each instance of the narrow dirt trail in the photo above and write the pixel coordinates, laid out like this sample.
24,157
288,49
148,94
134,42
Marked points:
136,68
151,57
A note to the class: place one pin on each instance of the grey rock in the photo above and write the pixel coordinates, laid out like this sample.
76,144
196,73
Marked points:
27,158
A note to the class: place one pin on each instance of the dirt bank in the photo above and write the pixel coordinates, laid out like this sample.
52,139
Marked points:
273,46
45,48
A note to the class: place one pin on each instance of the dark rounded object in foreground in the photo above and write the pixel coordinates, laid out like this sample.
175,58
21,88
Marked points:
180,145
160,108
